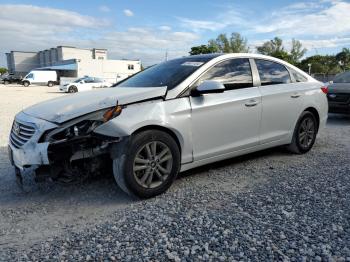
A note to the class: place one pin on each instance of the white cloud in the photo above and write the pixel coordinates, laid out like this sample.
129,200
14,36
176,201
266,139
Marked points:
128,12
59,19
32,28
317,19
321,18
104,8
165,28
197,25
148,44
231,18
326,43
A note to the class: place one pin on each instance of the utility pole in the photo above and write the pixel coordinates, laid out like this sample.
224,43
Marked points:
166,55
309,65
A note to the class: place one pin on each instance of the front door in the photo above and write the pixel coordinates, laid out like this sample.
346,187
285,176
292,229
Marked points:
229,121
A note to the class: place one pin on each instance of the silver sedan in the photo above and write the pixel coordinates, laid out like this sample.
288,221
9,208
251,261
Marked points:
172,117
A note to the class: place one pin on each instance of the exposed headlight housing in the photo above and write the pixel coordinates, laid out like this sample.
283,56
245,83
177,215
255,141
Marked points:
112,113
83,126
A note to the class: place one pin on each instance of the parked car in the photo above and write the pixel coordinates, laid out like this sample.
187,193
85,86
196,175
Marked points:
10,79
85,84
339,94
172,117
41,77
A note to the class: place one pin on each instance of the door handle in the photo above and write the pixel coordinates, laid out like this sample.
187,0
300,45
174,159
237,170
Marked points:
251,103
296,95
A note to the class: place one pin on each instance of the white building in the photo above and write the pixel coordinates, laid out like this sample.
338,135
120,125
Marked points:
72,62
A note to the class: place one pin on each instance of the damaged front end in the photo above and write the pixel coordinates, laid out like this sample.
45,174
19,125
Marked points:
67,152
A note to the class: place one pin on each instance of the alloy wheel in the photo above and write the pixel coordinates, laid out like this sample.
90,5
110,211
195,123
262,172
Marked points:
152,164
307,132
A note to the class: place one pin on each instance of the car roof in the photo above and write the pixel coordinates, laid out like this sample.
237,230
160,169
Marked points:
222,56
208,56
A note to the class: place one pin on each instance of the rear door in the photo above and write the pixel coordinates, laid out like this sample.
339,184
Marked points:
281,101
229,121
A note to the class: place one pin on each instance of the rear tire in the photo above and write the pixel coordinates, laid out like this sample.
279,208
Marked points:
305,133
6,82
50,84
148,165
73,89
26,83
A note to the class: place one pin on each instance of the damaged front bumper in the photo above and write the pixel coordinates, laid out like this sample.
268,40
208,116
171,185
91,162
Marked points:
24,149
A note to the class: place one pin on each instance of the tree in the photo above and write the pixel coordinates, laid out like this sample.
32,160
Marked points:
343,58
238,43
297,51
235,44
276,49
3,70
272,47
322,64
202,49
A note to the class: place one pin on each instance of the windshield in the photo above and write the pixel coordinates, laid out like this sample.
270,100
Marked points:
342,78
80,79
170,73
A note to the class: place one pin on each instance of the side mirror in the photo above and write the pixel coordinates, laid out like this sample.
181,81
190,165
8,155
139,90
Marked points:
208,87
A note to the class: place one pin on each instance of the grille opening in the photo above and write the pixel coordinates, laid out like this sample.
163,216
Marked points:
21,133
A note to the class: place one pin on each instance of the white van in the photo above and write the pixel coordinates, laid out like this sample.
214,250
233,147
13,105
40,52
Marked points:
40,77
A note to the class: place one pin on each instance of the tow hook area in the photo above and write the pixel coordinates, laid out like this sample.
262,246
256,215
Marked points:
24,181
19,178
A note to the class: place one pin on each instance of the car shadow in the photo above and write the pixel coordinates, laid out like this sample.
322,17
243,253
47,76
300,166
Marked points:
101,190
275,151
55,92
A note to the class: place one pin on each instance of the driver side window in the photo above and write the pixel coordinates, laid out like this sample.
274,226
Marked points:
234,74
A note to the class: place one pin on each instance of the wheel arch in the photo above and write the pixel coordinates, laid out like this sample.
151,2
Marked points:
315,113
178,139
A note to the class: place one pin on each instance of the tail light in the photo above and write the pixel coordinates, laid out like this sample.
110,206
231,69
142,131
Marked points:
324,89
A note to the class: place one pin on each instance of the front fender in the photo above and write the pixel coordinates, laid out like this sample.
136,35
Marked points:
174,115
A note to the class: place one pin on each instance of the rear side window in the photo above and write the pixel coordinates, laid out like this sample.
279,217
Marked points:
272,73
297,76
234,74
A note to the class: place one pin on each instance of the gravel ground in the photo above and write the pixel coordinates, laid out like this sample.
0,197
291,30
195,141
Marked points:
269,205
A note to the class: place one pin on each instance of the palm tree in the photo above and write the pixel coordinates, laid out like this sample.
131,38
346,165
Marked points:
343,58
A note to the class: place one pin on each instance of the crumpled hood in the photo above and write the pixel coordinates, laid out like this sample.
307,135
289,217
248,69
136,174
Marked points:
64,108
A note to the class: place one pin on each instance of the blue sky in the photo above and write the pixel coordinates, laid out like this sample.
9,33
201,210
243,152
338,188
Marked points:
144,30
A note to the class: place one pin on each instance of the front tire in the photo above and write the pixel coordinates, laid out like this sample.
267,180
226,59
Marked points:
26,83
305,133
6,82
73,89
149,164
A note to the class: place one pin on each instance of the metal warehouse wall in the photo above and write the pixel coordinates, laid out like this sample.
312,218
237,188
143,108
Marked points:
111,70
23,62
